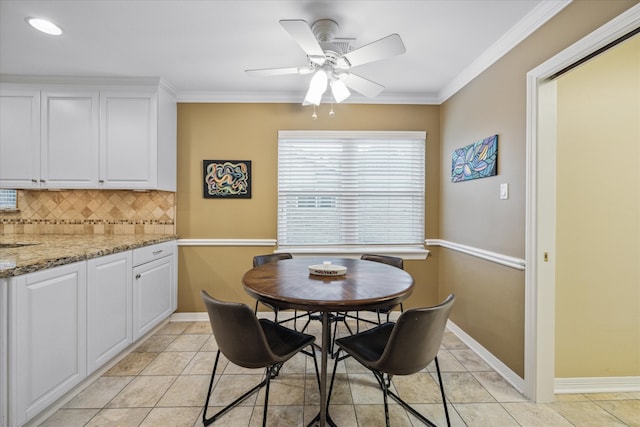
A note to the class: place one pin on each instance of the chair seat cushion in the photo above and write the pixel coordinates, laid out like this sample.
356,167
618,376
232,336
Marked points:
367,346
284,342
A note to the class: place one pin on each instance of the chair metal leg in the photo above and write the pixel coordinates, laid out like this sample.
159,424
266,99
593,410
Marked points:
266,395
385,386
444,399
206,421
333,377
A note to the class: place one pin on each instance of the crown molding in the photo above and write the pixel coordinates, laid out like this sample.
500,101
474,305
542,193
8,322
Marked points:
296,98
523,29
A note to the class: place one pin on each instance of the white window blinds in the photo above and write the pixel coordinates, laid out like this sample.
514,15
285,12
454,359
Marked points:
350,188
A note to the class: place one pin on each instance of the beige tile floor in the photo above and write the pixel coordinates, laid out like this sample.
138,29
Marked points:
164,382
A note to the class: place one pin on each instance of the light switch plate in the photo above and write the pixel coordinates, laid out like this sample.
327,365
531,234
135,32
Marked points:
504,191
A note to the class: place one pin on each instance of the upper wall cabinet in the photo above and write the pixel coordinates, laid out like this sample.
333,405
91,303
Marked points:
90,136
19,138
69,139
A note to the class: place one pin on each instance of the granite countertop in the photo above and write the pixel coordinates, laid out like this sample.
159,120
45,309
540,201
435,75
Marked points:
49,250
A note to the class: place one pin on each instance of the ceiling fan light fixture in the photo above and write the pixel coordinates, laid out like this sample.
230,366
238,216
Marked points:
339,90
317,88
44,26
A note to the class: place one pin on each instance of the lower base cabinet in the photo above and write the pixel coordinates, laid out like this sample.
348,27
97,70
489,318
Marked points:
152,289
109,308
47,339
65,322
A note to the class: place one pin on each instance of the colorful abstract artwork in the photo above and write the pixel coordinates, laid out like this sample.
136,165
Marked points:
227,179
477,160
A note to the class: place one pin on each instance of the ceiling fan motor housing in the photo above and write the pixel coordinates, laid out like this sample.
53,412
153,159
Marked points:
325,29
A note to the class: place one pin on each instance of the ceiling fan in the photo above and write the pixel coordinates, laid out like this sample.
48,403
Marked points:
330,60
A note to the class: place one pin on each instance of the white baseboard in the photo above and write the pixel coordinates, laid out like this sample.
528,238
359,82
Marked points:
561,385
502,369
190,317
597,385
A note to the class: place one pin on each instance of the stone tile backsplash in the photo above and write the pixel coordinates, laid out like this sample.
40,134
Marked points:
91,212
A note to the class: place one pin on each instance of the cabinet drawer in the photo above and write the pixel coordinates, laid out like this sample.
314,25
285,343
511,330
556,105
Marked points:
151,252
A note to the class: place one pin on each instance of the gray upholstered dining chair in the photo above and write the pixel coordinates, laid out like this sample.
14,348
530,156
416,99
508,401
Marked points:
400,348
384,259
250,342
264,259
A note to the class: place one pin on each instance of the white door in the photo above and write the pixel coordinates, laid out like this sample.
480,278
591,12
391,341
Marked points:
19,138
69,139
128,140
109,305
47,347
152,294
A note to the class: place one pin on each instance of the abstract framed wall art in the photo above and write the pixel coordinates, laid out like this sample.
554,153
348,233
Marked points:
227,179
477,160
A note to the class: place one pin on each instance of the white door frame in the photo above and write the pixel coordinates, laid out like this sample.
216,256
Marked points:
541,210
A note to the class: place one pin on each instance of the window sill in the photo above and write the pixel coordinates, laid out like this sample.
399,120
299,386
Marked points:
404,252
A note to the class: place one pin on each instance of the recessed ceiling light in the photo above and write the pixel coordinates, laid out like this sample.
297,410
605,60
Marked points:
45,26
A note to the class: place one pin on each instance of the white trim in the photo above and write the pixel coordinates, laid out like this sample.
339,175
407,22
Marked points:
597,385
506,260
296,98
540,214
404,252
544,11
201,316
511,377
314,135
226,242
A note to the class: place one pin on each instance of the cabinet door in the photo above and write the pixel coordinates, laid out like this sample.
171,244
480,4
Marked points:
19,139
109,305
48,337
128,140
152,294
69,124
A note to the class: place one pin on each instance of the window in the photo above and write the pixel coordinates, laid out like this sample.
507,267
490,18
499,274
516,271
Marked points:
350,188
8,199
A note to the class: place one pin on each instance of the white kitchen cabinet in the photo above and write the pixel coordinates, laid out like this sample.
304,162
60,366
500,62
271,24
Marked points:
47,338
128,140
19,138
154,286
109,308
4,330
99,136
138,139
69,141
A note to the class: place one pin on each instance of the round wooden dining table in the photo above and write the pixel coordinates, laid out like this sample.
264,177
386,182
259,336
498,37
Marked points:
366,285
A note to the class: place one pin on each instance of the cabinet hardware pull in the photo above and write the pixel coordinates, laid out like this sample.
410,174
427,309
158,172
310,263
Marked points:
42,180
157,252
138,276
34,180
101,181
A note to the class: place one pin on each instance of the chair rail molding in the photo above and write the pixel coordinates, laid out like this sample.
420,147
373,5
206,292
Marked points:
506,260
226,242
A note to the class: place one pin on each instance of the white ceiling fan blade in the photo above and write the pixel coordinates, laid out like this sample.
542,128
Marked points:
302,34
384,48
361,85
268,72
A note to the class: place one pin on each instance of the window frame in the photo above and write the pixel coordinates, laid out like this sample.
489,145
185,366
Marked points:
406,251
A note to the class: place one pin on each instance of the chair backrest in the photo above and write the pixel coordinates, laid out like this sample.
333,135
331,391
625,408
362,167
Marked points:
415,339
238,333
391,260
263,259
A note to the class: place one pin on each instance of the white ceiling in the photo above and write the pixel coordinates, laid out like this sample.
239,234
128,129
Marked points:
201,48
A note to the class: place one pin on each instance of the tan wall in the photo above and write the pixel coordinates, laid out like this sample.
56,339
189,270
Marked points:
598,219
249,132
471,212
